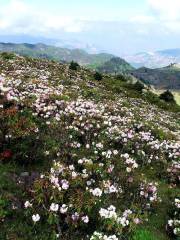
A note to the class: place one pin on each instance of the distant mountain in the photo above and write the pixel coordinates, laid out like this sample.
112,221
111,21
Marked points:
62,42
102,62
161,78
114,66
56,53
156,59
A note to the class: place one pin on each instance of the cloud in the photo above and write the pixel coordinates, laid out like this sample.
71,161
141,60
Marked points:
142,19
155,25
166,9
20,17
163,15
167,13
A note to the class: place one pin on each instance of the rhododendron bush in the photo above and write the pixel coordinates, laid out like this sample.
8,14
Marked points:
104,163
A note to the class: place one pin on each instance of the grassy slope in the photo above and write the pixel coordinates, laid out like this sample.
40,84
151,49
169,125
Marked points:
175,92
16,227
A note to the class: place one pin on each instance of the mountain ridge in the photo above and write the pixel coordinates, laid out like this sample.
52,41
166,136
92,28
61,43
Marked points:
56,53
156,59
162,78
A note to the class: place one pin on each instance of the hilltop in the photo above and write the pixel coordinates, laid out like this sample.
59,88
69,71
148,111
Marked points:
115,65
162,78
83,158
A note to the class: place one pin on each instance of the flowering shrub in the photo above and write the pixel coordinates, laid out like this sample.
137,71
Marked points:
173,225
101,236
174,172
103,160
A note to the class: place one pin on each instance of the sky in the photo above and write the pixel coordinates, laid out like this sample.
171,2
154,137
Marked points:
120,27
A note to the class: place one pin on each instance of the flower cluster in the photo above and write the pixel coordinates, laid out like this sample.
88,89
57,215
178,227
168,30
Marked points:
101,236
148,191
173,224
174,172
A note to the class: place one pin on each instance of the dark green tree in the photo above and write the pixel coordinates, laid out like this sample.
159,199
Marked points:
138,86
98,76
167,96
74,66
121,77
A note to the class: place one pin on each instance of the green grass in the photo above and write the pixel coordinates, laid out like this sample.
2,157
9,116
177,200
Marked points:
144,234
176,94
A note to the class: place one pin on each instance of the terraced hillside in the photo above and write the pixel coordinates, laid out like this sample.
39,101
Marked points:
85,159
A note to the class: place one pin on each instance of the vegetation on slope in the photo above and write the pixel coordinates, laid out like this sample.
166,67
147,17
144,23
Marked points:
82,158
161,78
115,65
56,53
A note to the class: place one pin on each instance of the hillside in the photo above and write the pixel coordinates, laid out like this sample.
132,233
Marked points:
115,65
157,59
82,159
56,53
162,78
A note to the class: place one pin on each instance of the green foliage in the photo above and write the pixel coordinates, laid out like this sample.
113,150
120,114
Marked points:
138,86
73,66
98,76
167,96
56,53
121,77
166,77
154,99
7,56
144,234
115,65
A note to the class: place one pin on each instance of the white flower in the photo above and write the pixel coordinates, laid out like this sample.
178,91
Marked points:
65,184
96,192
87,146
113,189
175,231
74,174
85,219
108,213
170,223
177,202
112,237
75,216
35,217
54,207
88,183
27,204
128,169
64,208
80,161
115,152
71,167
136,220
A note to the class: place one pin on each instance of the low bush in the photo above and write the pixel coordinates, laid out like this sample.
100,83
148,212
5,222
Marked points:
74,66
98,76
